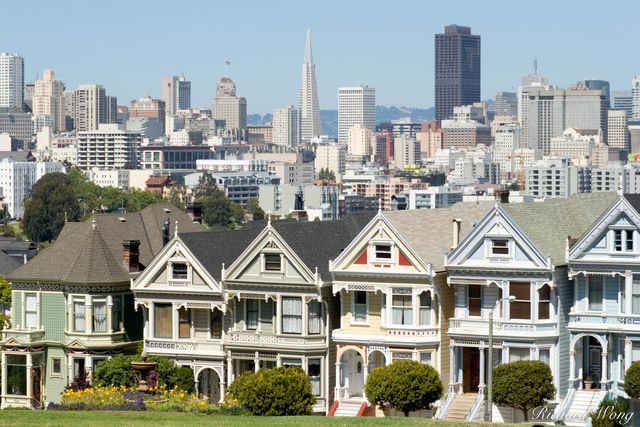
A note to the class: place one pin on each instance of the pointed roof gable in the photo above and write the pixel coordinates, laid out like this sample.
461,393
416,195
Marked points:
549,223
430,231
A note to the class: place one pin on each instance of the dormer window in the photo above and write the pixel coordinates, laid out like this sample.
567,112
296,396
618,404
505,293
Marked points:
499,247
383,252
623,240
272,262
179,271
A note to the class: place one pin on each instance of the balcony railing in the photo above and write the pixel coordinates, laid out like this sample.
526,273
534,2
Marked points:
264,339
184,347
25,336
502,327
603,320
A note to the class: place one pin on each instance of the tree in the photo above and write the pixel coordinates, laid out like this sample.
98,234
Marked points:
115,371
52,198
326,175
632,380
216,210
5,302
254,209
405,385
206,186
175,199
523,385
285,390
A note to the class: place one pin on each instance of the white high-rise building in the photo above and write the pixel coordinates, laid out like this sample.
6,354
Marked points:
11,80
618,135
48,99
229,109
533,81
406,151
108,148
176,93
635,94
508,138
359,140
89,107
309,106
331,157
356,104
285,126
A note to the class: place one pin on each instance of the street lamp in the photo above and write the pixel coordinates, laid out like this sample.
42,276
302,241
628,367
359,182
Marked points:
487,403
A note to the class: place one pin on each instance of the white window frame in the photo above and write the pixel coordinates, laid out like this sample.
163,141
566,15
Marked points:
264,263
374,250
93,315
246,315
83,313
171,279
587,292
52,373
431,354
411,321
624,236
492,254
353,309
36,313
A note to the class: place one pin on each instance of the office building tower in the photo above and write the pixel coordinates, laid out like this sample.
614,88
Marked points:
309,106
602,85
111,109
11,80
29,90
356,104
406,151
147,107
89,107
530,82
618,130
359,140
184,93
457,69
108,147
230,110
622,100
48,99
285,126
635,96
331,157
176,93
19,126
505,104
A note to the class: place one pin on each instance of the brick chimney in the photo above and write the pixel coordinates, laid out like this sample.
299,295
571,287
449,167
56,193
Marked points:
131,255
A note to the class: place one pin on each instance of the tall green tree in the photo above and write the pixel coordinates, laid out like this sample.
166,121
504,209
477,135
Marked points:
51,198
523,385
254,209
216,211
5,302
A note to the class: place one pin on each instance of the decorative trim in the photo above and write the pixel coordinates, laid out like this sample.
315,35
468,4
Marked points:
71,288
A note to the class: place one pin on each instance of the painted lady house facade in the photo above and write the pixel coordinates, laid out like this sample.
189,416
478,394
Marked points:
393,295
72,305
512,265
604,322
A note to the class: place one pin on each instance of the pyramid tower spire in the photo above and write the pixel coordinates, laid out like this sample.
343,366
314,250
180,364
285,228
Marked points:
309,107
308,52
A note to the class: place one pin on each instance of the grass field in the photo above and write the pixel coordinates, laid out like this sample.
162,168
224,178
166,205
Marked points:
11,417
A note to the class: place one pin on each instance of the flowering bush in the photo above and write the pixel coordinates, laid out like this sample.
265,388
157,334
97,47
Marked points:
123,398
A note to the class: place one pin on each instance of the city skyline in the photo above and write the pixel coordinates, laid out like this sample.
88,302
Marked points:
347,51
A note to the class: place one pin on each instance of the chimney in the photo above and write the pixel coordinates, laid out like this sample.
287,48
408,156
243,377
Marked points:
456,232
502,195
131,255
165,232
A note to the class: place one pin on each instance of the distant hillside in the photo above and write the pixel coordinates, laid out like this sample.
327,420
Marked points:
329,118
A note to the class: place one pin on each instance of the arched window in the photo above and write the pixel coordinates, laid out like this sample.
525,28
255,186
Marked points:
425,308
544,302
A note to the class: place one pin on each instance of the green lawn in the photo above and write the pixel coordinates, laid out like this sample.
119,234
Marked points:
96,418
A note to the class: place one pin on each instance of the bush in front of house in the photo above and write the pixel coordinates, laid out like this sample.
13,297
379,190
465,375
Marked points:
278,391
114,372
523,385
184,380
611,413
405,385
632,381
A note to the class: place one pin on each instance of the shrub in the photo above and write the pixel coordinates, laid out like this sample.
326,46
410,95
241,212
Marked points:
184,380
523,385
115,371
632,381
80,382
405,385
611,413
278,391
165,368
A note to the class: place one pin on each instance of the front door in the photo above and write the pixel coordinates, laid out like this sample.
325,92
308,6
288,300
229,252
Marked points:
356,374
595,362
36,386
471,369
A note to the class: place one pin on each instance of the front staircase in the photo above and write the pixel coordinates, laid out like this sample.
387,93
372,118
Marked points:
579,403
460,407
348,408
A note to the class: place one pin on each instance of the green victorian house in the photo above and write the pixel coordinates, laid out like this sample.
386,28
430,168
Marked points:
72,305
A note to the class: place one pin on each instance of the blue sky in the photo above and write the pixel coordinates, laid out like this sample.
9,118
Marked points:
128,45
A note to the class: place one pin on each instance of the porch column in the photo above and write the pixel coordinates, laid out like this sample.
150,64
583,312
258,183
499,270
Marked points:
279,314
4,374
604,367
229,369
628,291
221,391
109,310
482,361
88,314
365,372
338,380
256,361
88,367
627,354
29,376
572,365
452,365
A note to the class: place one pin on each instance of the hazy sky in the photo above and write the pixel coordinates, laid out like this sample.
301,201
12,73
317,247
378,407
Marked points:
128,45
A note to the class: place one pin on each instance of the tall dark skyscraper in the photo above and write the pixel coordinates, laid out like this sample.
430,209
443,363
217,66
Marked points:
457,69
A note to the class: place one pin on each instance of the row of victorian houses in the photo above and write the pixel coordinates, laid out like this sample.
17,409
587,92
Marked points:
340,298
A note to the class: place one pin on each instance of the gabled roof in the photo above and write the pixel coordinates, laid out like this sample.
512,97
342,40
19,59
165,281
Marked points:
549,223
430,231
8,263
91,252
314,242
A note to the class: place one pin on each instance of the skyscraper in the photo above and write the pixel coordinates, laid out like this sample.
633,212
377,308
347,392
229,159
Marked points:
618,130
48,99
457,69
530,82
89,107
176,93
184,93
309,107
230,110
285,124
356,105
635,94
11,80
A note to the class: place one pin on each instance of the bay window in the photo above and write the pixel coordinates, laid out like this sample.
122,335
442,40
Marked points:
251,319
216,324
99,315
184,323
544,355
402,311
313,371
16,366
595,284
475,300
315,317
517,354
31,311
635,295
521,306
163,318
116,313
425,308
79,324
544,302
359,306
291,315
